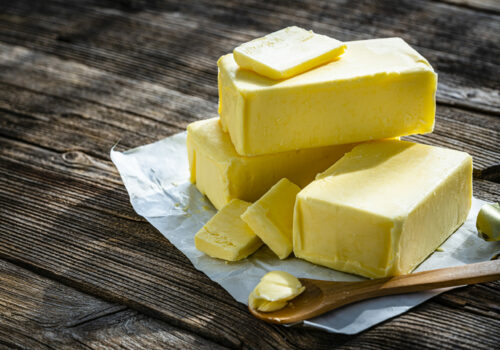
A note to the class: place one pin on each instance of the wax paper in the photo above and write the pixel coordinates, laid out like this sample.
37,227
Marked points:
157,179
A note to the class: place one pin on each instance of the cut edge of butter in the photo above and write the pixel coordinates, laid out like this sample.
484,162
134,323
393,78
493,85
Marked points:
225,236
274,291
287,52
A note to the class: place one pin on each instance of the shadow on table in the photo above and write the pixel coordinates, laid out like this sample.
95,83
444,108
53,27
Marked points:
126,261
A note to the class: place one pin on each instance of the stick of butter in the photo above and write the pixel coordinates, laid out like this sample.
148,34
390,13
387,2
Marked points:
226,236
222,174
287,52
271,217
274,291
379,89
383,208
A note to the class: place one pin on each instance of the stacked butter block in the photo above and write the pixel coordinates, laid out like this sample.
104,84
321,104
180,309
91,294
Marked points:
222,174
292,104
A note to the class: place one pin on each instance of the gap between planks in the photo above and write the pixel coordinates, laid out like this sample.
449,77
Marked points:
52,315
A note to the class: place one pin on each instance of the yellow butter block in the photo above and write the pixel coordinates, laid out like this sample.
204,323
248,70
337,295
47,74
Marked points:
222,174
274,291
378,89
383,208
271,217
226,236
287,52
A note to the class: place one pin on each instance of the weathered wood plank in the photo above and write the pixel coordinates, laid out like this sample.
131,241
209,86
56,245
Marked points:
38,313
418,331
177,43
43,91
75,81
121,260
65,212
480,299
52,228
44,157
486,190
485,5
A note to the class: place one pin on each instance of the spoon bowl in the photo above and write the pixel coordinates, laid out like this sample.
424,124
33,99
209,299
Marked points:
310,299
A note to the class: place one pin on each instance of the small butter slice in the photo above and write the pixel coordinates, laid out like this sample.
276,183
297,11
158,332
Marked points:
271,217
274,291
226,236
287,52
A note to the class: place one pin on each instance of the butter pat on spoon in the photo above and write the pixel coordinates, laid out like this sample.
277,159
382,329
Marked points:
274,290
320,296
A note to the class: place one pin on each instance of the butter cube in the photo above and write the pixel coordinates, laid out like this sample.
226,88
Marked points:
287,52
222,174
226,236
383,208
379,89
271,217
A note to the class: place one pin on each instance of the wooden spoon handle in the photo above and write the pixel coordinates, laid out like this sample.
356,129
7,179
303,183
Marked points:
322,296
440,278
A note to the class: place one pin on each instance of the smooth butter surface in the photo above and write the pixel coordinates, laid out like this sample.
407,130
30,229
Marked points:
226,236
287,52
274,291
380,88
488,222
271,217
383,208
222,174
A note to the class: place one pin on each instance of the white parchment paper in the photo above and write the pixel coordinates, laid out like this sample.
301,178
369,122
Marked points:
157,179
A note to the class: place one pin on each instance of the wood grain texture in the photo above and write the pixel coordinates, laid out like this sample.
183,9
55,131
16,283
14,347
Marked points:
44,89
39,313
484,5
154,40
417,331
57,228
76,77
119,259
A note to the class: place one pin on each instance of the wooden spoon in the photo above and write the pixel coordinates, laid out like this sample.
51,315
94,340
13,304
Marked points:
322,296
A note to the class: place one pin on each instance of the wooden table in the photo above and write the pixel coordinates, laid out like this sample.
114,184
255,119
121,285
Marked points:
79,269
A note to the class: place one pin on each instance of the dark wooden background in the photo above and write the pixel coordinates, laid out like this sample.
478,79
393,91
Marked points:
79,269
